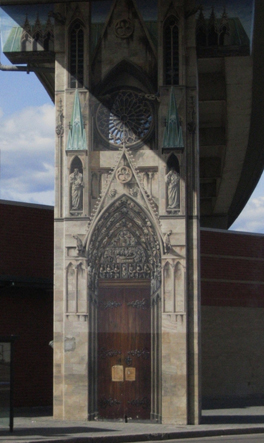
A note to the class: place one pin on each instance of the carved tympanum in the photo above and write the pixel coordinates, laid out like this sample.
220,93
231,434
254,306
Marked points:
124,244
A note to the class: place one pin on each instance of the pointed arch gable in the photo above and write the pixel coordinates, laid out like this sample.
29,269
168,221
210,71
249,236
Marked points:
76,162
139,36
173,163
69,266
136,14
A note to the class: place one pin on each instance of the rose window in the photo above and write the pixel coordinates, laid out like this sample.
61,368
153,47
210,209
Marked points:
128,119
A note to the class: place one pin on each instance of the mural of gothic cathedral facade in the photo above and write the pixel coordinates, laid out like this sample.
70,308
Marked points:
126,285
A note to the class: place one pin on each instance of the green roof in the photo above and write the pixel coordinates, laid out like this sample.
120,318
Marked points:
77,135
173,131
237,35
13,42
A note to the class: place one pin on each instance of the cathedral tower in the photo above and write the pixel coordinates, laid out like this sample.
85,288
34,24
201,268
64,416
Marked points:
126,336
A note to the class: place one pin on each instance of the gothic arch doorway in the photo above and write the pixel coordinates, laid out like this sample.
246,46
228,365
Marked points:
124,349
124,273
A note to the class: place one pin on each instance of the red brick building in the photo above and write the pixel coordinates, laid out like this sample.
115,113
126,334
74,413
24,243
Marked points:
232,291
26,299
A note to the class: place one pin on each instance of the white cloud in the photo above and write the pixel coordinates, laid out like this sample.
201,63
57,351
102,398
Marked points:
27,155
252,217
40,198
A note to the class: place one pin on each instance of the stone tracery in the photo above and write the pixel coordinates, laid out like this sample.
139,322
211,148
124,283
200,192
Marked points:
127,119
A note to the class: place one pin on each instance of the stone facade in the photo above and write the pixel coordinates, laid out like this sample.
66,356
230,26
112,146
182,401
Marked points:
126,197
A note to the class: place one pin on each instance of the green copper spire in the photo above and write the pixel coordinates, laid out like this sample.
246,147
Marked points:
173,132
77,135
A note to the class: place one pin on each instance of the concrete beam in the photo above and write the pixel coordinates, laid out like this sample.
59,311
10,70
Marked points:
37,2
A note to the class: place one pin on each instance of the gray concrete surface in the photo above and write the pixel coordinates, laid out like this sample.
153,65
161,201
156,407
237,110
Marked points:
38,425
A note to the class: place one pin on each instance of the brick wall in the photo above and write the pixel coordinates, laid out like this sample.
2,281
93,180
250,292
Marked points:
26,308
232,266
232,290
27,313
26,240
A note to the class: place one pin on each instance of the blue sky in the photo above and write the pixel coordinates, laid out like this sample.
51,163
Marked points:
27,123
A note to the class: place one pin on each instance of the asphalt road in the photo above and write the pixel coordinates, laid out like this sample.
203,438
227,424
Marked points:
249,438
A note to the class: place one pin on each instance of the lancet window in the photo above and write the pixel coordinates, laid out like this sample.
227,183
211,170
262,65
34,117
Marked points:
171,51
76,55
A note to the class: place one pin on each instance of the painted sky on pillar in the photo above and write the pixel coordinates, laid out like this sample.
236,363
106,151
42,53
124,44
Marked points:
27,116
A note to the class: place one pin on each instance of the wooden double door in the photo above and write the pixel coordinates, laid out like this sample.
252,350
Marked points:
124,349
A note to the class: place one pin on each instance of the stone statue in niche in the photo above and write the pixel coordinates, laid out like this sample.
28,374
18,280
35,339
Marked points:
172,180
79,245
76,182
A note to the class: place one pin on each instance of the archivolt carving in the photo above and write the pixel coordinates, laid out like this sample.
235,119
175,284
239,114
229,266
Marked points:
124,244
